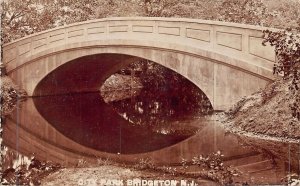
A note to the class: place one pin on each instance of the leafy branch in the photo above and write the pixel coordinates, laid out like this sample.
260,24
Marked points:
287,50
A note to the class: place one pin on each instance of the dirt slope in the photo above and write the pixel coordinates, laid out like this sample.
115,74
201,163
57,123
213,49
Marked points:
266,112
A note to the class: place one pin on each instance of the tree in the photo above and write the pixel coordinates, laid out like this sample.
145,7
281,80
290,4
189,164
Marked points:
25,17
284,13
243,11
157,8
287,49
203,9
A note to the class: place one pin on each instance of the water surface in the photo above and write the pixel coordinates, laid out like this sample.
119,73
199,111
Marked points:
166,126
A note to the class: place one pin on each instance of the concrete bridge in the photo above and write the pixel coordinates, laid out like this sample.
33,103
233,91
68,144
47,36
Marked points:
225,60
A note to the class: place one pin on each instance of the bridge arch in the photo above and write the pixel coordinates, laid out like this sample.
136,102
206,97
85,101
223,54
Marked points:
225,60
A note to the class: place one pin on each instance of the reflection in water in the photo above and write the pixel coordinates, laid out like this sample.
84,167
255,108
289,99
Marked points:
166,126
116,95
88,120
165,111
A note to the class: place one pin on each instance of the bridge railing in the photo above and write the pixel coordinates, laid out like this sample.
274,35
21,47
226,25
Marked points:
238,41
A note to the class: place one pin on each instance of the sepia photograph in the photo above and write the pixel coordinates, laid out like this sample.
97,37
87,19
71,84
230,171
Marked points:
150,92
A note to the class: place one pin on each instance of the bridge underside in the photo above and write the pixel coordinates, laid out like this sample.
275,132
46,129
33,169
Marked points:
85,74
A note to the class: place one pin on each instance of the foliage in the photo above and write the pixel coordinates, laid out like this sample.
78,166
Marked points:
287,50
144,163
158,8
184,163
213,161
9,95
151,74
104,162
214,164
73,11
23,17
27,171
204,9
170,170
292,179
283,13
210,166
81,163
243,11
166,96
154,75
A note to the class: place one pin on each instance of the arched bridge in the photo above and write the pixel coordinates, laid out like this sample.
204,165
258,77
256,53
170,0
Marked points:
225,60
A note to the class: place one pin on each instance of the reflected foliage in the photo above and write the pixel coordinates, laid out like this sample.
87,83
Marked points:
166,96
10,95
162,106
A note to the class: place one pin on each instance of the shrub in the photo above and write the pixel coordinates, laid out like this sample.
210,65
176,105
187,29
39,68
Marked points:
287,65
10,94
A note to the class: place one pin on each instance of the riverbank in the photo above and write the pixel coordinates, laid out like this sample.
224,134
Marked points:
121,82
110,174
117,95
232,128
265,114
118,87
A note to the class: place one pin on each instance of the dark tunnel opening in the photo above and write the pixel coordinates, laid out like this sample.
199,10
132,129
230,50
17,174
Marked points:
69,98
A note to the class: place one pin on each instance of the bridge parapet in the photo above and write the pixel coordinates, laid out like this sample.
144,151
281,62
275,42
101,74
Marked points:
207,38
225,60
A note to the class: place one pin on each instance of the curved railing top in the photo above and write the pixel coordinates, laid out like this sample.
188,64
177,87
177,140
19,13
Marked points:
210,39
186,20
